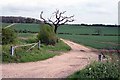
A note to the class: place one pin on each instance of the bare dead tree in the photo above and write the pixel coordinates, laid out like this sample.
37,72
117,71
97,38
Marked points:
57,19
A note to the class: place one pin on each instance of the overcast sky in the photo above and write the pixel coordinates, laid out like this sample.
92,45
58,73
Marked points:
85,11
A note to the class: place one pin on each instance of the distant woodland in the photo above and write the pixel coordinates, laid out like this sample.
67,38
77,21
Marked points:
11,19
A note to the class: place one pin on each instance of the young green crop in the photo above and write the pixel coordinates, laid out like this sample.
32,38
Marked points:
93,41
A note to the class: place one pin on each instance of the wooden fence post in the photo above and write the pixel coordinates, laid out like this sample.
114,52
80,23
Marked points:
100,57
12,50
39,44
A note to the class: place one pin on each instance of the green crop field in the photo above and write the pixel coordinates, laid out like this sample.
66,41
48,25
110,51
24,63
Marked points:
67,28
25,26
4,24
88,40
87,30
29,27
94,41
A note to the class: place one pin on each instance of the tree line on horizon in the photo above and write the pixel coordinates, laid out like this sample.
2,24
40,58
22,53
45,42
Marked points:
96,25
11,19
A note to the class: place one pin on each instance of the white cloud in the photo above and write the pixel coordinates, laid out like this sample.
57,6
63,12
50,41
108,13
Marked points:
88,11
41,2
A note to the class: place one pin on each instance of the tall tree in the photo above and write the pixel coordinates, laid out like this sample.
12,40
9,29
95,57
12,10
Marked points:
58,18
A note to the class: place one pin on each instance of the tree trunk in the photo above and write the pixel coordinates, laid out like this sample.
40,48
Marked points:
55,30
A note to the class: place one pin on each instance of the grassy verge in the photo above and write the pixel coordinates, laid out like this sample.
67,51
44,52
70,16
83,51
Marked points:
61,46
35,54
25,34
107,70
97,71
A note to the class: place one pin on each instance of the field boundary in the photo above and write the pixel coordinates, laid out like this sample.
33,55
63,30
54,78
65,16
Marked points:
9,25
93,34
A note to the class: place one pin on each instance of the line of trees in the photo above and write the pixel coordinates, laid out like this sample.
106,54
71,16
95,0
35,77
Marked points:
11,19
96,25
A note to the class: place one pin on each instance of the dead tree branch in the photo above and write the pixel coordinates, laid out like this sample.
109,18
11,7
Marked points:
59,19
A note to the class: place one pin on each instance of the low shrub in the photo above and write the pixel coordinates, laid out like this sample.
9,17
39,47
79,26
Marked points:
8,36
47,35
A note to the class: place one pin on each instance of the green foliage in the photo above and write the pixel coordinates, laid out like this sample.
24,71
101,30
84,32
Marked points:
60,46
22,56
47,35
98,71
8,36
43,53
32,39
